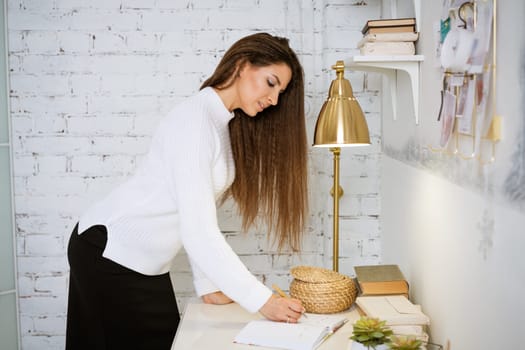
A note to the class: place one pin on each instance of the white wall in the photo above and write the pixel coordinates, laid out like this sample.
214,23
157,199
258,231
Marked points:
472,289
455,226
89,82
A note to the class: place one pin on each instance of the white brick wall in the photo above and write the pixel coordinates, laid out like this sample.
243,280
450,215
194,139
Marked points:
89,81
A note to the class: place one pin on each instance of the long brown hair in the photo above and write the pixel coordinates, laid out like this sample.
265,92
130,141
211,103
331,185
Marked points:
270,150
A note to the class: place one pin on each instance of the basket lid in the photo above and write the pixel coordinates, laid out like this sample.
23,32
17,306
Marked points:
313,274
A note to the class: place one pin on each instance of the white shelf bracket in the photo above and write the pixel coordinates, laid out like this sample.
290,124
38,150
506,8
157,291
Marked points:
389,65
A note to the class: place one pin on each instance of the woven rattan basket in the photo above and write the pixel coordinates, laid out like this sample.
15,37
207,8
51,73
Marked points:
321,290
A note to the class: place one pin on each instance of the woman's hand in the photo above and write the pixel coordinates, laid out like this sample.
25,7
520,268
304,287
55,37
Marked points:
217,298
282,309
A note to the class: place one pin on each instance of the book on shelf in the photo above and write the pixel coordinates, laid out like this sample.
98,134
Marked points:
396,29
386,48
392,25
381,280
389,22
388,37
394,309
307,334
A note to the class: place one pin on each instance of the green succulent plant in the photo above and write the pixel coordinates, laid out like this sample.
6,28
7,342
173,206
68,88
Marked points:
370,332
404,342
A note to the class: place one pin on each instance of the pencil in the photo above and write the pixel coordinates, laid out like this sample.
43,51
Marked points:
283,294
279,291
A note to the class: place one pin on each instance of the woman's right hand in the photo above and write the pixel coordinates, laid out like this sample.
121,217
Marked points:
282,309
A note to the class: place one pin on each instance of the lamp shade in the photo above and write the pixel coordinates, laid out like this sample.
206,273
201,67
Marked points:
341,121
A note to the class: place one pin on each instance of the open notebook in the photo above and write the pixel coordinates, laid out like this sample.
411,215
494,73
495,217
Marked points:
308,334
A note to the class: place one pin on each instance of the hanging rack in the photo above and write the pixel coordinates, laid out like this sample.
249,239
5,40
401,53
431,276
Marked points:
494,130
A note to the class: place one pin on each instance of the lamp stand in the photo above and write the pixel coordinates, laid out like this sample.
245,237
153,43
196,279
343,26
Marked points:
336,194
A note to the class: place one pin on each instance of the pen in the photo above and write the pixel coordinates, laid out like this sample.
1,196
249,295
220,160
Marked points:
283,294
339,325
335,329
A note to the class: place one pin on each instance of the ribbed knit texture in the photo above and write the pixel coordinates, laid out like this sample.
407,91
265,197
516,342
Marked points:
171,202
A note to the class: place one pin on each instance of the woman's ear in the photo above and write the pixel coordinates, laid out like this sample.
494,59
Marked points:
233,77
240,67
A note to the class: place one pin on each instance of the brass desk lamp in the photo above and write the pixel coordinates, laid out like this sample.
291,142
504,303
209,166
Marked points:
341,123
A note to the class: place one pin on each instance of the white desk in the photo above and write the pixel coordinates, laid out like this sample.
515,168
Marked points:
205,327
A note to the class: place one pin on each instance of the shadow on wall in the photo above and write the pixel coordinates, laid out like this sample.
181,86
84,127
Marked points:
514,188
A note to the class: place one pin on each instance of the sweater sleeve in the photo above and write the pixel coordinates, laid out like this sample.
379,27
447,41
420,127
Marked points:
190,147
201,283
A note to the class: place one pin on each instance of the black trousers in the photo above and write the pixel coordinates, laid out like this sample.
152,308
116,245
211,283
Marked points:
112,307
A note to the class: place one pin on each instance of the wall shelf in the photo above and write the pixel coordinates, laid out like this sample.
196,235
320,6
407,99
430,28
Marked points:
389,65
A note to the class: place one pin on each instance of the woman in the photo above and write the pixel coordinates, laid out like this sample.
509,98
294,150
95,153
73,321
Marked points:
242,136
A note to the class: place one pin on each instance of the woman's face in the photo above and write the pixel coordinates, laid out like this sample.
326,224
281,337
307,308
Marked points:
259,87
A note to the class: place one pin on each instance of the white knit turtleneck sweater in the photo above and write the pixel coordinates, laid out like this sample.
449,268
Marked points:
171,202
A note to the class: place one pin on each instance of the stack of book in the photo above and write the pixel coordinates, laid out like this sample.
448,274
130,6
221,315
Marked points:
401,315
389,37
381,280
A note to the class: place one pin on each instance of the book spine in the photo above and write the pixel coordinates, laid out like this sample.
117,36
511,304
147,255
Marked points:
388,48
389,29
390,37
